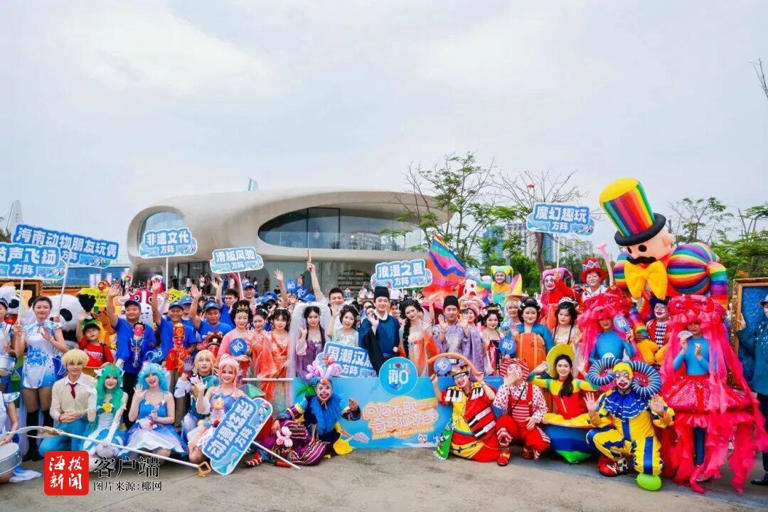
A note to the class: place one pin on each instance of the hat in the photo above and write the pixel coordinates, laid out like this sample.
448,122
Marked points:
625,203
175,304
764,301
591,265
185,301
210,305
131,301
248,284
91,324
623,366
450,300
655,301
557,351
380,291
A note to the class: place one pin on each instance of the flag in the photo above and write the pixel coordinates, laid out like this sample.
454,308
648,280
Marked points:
447,272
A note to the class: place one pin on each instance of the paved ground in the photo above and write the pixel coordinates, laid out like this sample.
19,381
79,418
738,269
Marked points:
397,480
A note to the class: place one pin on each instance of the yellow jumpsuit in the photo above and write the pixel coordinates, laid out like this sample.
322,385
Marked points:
624,428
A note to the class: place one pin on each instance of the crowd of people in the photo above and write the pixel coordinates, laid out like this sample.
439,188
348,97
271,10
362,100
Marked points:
579,370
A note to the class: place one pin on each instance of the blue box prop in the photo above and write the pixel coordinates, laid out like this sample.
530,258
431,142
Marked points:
234,435
22,261
354,361
75,249
167,243
560,219
235,259
402,274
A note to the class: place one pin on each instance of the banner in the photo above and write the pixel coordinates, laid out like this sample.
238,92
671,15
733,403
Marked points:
167,243
75,249
234,435
235,259
354,361
22,261
560,219
100,296
402,274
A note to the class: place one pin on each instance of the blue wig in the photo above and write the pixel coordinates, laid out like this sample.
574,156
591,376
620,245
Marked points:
149,369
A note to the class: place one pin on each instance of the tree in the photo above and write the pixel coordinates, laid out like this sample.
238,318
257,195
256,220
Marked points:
523,190
460,187
5,235
700,219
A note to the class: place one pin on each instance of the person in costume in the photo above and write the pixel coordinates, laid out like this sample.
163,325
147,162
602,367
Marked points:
307,334
592,278
99,354
277,393
313,423
379,331
568,422
533,340
42,343
105,416
244,343
624,419
454,334
567,329
755,343
203,371
417,343
657,328
524,406
70,400
152,410
511,317
601,339
473,432
553,289
491,335
213,405
709,413
500,288
345,333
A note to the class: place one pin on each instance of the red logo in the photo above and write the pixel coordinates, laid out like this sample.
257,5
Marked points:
66,473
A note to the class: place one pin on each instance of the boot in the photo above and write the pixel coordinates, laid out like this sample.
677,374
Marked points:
504,454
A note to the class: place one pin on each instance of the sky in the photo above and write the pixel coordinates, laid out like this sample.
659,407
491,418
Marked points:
109,107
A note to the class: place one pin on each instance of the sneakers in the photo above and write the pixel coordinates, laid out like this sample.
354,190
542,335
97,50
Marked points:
607,467
504,456
761,481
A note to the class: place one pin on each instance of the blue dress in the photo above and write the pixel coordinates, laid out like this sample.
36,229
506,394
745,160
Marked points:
193,418
157,436
42,360
104,421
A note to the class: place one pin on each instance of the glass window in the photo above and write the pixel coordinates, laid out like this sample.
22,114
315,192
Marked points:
160,220
323,228
288,230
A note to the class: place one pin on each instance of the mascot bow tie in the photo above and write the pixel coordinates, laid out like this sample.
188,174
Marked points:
654,275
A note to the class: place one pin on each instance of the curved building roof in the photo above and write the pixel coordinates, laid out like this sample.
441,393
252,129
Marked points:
233,219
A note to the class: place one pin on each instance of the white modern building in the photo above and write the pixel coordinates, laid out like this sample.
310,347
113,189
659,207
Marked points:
347,232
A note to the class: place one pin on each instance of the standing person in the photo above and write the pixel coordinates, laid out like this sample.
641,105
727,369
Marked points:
511,318
89,336
307,334
491,337
40,342
347,334
230,297
454,334
417,343
567,330
592,277
71,398
212,312
534,340
134,341
657,328
6,344
279,343
553,288
380,332
239,342
335,298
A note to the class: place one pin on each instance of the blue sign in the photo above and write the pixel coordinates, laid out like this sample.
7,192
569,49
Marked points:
398,376
402,274
235,259
75,249
410,420
21,261
560,219
621,324
443,366
507,344
354,361
167,243
238,347
235,433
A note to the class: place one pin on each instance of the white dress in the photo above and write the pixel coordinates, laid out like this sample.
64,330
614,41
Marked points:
39,369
